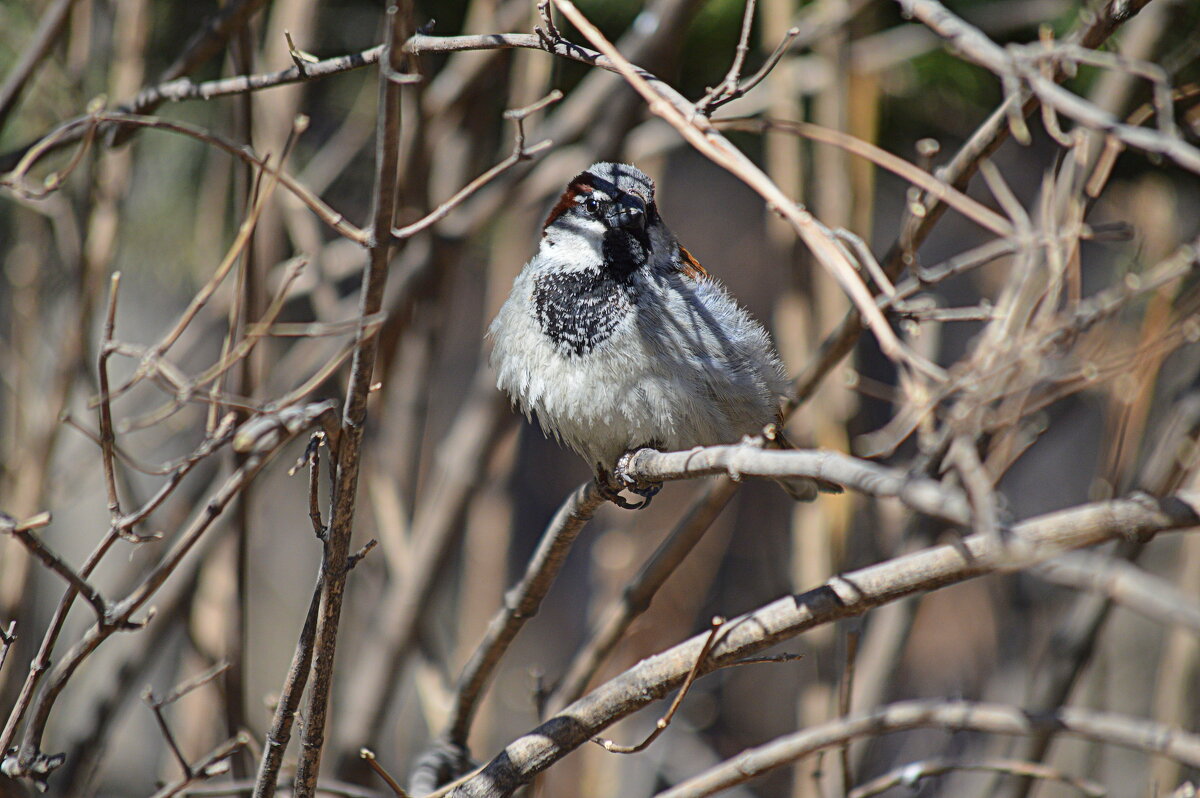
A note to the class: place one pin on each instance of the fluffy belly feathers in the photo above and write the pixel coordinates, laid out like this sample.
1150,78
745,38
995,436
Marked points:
643,385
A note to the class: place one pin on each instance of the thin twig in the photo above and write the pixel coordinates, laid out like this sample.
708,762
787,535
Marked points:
290,696
637,595
1124,583
49,27
977,47
931,184
368,756
7,638
86,125
212,764
911,775
23,532
520,153
107,438
845,694
661,724
29,758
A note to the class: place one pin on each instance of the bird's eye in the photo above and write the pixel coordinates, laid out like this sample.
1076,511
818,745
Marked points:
591,205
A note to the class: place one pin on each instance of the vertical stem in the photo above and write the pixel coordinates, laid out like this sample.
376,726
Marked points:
289,701
243,310
337,544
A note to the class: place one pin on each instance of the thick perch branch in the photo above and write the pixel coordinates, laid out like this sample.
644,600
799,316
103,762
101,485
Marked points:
747,459
843,596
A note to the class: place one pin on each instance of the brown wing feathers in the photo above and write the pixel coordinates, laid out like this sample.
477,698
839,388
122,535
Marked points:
690,266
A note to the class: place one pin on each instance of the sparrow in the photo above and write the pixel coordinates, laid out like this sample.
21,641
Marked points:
616,338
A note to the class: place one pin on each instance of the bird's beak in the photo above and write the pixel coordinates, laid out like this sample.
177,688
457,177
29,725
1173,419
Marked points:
629,214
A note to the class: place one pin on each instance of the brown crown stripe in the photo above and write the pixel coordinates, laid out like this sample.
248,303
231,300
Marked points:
690,266
580,185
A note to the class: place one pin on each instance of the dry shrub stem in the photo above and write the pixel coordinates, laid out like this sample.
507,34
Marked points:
848,595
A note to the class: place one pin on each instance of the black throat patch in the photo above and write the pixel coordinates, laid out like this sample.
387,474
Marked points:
580,310
625,252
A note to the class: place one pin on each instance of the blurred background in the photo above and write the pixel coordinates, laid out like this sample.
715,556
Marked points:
457,487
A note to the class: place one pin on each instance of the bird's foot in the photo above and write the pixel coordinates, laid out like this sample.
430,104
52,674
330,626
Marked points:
647,490
613,494
611,485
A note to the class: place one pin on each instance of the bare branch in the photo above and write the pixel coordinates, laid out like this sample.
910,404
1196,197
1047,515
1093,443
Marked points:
1126,584
977,47
520,604
369,757
749,459
850,594
212,764
1102,727
49,28
520,153
636,596
912,774
349,458
662,723
23,532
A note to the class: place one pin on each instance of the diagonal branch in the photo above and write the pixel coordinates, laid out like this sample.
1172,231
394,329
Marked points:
1105,727
843,596
520,604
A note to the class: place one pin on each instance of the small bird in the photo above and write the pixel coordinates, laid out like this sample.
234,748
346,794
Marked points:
618,339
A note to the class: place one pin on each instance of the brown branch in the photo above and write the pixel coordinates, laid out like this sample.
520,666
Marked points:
49,27
748,459
7,638
520,604
77,128
108,439
987,138
977,47
184,89
1124,583
120,529
337,544
662,723
23,532
520,153
30,759
637,595
211,764
913,773
156,705
1110,728
933,185
723,92
435,528
290,696
843,596
368,756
